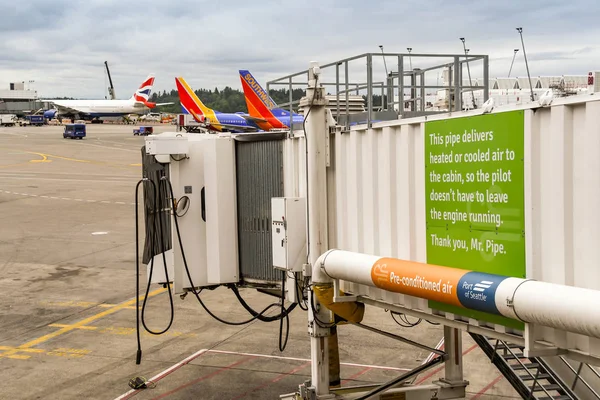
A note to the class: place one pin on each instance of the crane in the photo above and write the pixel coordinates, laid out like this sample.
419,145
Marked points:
111,88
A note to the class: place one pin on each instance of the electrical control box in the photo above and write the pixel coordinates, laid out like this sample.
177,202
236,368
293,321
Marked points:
288,229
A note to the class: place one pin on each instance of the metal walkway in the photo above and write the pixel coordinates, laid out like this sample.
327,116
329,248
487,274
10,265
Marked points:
531,377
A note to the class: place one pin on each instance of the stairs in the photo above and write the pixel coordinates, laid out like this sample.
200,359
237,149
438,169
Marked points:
531,377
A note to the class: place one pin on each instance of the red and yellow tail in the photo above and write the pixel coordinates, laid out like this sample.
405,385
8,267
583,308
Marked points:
191,104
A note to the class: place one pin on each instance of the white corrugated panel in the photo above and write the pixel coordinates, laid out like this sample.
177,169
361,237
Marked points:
575,81
524,83
562,188
18,94
505,83
377,200
548,81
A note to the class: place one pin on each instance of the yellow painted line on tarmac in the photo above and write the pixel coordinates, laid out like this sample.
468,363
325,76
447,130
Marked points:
66,352
4,348
44,158
86,321
123,330
85,328
80,304
10,352
135,165
75,159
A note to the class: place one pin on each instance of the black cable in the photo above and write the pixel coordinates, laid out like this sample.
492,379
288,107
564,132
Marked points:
283,345
254,313
149,278
193,287
158,212
322,324
138,357
405,322
177,159
300,294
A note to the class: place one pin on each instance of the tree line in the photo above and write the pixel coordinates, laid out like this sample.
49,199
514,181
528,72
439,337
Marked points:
227,100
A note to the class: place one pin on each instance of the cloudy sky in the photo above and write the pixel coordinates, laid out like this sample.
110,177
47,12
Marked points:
62,44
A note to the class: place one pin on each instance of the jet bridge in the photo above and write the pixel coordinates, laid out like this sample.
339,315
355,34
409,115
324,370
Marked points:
469,203
483,221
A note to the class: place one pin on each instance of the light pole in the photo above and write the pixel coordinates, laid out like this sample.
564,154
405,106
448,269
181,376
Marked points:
520,30
384,63
513,61
462,39
409,57
387,75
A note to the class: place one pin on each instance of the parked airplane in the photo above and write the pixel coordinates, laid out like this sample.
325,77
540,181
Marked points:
262,108
214,120
95,109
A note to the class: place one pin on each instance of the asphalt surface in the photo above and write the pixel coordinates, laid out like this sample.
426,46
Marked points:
67,295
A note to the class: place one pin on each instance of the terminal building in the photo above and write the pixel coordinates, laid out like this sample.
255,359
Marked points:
18,100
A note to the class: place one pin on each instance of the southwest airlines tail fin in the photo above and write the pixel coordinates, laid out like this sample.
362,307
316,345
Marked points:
191,104
257,99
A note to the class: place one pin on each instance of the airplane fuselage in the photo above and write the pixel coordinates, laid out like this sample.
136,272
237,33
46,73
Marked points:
100,108
296,119
228,121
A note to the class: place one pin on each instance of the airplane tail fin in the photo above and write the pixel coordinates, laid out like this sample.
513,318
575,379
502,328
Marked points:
258,100
190,103
142,95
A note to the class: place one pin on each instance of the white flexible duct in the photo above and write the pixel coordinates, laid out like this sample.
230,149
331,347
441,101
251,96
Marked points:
563,307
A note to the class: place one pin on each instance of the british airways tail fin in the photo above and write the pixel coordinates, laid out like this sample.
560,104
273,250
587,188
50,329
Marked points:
190,103
142,95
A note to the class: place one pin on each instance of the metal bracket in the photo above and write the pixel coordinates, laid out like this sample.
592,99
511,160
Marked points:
336,294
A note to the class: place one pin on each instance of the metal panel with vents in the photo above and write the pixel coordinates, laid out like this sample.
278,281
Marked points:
259,166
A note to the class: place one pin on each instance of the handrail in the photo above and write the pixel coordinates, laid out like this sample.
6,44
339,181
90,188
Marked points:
578,376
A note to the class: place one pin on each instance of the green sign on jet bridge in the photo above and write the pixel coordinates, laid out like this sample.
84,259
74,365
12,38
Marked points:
474,189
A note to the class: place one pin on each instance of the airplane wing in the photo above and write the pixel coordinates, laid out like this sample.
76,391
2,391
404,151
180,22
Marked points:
254,119
164,104
233,127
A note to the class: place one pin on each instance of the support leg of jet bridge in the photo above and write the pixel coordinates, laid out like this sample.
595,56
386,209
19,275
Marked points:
453,381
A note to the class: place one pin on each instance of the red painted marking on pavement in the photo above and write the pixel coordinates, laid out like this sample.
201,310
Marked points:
435,371
212,374
356,375
487,387
276,379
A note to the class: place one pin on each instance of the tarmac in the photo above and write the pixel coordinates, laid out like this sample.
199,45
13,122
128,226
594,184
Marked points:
67,296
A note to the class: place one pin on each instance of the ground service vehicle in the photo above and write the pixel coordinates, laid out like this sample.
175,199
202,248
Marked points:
8,119
37,120
143,131
74,131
